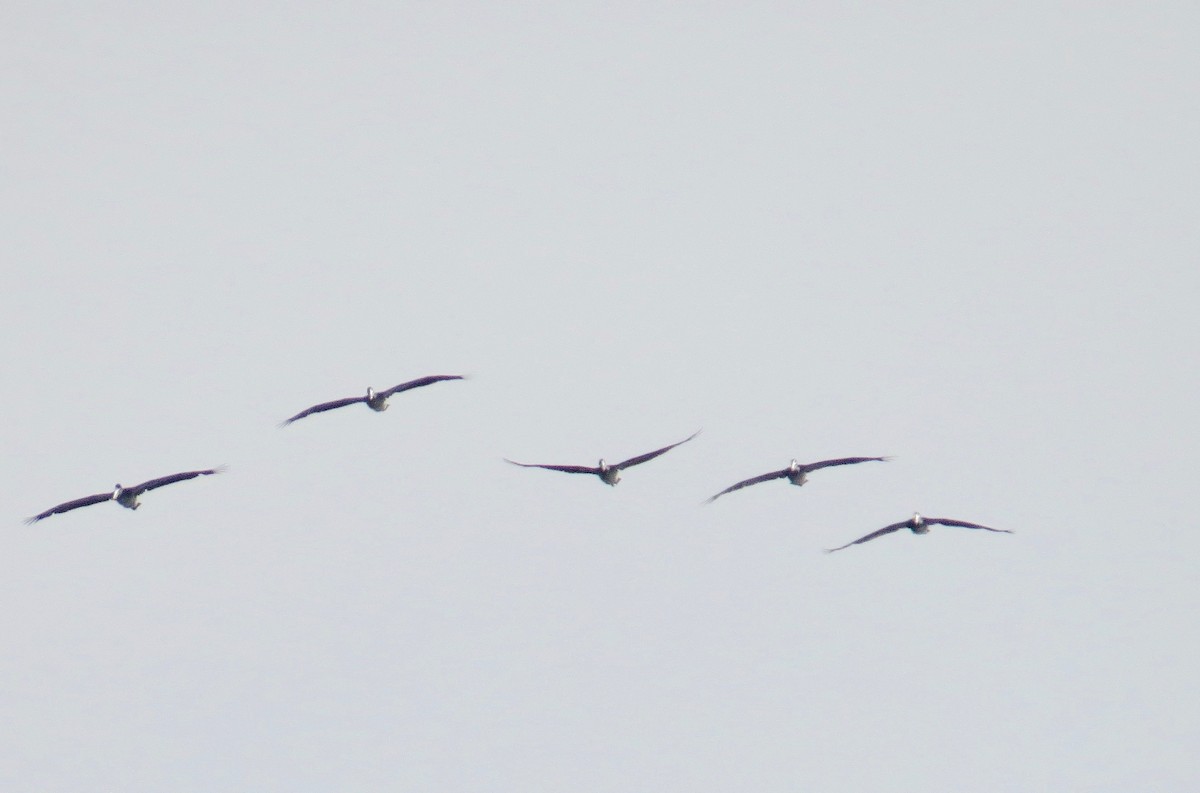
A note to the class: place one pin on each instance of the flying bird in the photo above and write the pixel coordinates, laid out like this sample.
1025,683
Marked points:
375,400
125,496
796,473
609,474
919,525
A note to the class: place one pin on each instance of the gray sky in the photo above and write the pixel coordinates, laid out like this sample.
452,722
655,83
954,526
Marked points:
963,235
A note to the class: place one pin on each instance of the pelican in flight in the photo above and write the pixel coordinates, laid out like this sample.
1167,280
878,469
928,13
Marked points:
125,496
609,474
375,400
919,525
796,473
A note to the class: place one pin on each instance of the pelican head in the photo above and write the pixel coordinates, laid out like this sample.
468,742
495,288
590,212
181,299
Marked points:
918,524
370,393
795,465
117,490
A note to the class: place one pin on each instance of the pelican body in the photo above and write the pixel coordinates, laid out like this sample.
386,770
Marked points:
609,474
795,474
126,496
376,401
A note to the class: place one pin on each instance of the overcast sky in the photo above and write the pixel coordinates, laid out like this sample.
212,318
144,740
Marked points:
961,234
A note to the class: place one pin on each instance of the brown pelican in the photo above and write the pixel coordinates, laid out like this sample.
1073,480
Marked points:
919,525
796,473
609,474
125,496
375,400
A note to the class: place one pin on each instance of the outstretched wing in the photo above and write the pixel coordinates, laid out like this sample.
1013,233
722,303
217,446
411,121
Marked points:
754,480
964,524
420,381
67,506
641,458
841,461
570,469
163,481
871,536
321,408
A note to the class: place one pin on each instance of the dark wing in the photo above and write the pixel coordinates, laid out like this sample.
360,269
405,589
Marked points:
163,481
641,458
964,524
747,482
420,381
321,408
67,506
841,461
570,469
878,533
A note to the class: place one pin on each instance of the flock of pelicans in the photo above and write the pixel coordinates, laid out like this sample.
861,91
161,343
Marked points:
796,473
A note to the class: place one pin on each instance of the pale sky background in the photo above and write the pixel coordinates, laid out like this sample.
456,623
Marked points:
961,234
